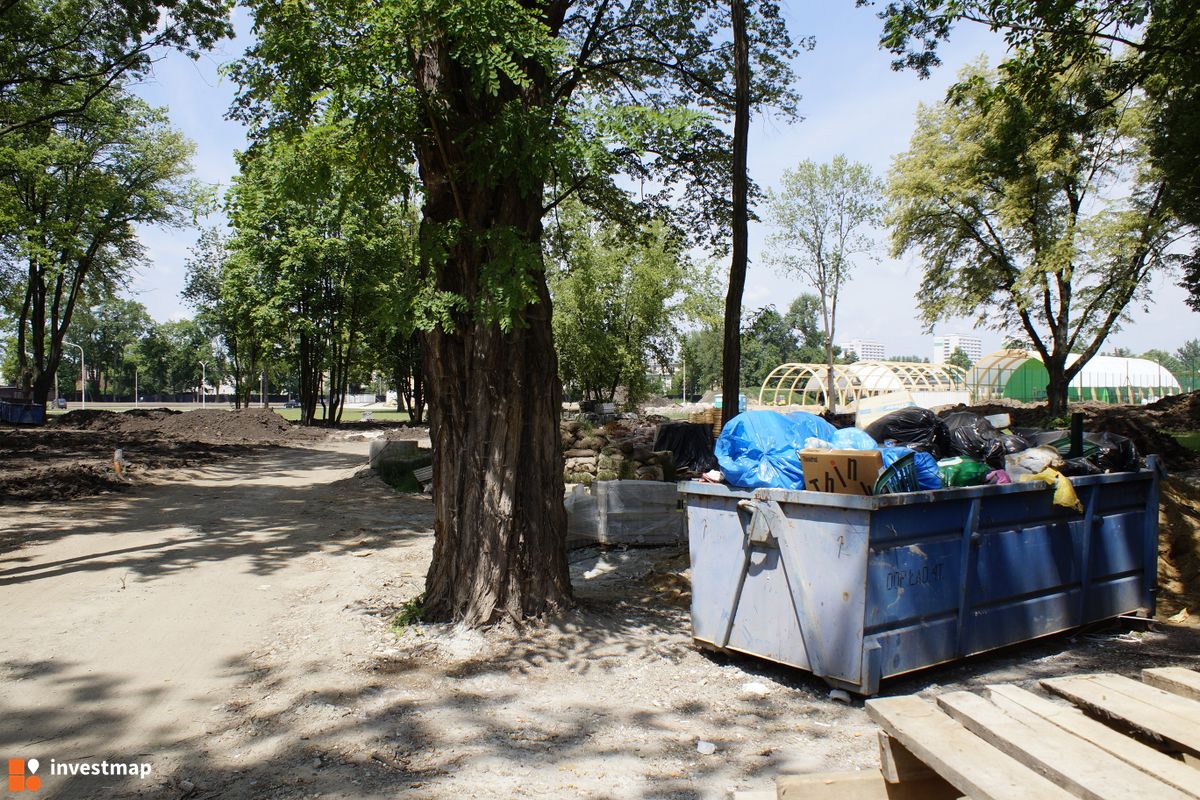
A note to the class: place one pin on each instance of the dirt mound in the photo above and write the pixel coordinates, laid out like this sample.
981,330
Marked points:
205,425
1179,412
1179,544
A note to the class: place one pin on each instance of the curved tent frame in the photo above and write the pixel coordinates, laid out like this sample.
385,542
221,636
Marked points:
804,384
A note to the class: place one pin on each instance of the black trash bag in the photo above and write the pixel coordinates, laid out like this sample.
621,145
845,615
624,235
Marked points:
971,436
691,444
1116,453
1076,467
1014,443
1108,452
914,428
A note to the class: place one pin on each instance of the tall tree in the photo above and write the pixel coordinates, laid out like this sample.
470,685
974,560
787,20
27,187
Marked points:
1188,356
213,286
731,379
1156,44
107,331
71,196
59,56
618,300
1041,218
508,106
822,218
324,244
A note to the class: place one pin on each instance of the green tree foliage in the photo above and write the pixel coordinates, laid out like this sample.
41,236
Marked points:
229,307
109,332
822,219
71,196
768,340
1158,44
959,358
1043,219
58,56
507,107
619,298
322,247
1188,357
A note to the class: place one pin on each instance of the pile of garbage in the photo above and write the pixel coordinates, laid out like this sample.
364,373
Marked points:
913,449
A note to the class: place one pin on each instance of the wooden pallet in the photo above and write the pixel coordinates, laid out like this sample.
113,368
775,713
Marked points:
1012,744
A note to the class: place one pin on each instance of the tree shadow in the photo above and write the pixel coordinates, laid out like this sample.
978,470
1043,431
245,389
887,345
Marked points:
161,530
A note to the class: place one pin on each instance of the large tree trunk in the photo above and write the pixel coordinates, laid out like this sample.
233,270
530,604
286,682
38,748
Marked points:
494,396
1057,387
495,399
732,353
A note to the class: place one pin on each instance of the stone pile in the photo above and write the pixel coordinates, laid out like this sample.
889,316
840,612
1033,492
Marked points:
618,450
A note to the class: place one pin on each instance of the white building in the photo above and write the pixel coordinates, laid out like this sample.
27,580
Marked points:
863,349
945,345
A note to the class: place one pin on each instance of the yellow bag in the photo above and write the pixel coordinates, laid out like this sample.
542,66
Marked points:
1064,490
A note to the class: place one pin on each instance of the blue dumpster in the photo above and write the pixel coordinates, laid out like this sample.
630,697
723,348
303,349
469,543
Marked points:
856,589
22,413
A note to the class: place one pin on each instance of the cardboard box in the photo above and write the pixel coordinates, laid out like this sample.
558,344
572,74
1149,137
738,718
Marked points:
841,471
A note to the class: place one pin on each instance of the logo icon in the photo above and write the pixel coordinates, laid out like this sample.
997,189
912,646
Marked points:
18,780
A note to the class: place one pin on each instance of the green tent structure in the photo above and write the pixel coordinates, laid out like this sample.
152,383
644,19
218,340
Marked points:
1020,375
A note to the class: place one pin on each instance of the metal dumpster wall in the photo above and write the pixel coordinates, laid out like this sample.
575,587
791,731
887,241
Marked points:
860,588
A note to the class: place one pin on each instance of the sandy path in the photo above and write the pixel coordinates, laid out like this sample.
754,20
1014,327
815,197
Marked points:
229,627
130,620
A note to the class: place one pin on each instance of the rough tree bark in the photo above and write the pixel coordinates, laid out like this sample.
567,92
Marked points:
732,352
495,398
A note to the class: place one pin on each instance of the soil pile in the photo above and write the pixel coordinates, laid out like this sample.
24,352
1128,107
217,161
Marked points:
253,425
1179,412
1179,545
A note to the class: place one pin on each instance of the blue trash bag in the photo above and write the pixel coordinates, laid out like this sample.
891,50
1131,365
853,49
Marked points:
758,449
928,475
853,439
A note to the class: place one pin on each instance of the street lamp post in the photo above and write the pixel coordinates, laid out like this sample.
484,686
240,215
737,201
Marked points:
82,376
203,379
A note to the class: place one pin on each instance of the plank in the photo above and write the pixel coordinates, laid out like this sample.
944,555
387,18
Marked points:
976,768
898,764
1177,680
1015,701
1073,763
1153,712
862,785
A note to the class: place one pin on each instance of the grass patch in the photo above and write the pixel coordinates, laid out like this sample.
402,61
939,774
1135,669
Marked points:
349,416
1189,439
408,615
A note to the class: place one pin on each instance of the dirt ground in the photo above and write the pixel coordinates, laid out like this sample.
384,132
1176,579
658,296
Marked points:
228,621
73,455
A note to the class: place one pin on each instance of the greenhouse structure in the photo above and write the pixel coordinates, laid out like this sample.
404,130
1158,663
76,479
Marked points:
804,385
1020,375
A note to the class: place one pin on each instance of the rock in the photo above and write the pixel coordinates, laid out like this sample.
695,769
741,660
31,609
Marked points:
840,695
755,688
581,465
705,748
592,443
579,453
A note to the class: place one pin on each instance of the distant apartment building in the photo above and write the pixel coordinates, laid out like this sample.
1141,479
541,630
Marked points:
863,349
944,347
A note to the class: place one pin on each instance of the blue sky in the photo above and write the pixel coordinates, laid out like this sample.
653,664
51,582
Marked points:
853,104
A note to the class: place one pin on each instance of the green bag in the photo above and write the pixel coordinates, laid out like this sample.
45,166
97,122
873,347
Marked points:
960,471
